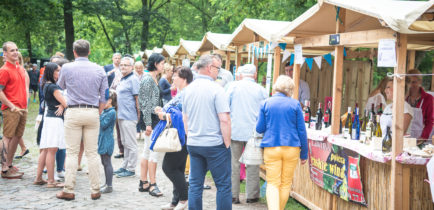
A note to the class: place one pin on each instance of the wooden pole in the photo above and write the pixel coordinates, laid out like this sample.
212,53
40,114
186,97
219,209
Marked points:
411,58
296,77
228,61
277,61
238,59
398,122
337,79
432,77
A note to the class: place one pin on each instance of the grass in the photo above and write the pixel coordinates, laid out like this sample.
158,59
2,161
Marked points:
292,204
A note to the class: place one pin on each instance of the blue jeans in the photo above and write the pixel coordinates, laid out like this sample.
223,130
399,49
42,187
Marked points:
60,159
217,159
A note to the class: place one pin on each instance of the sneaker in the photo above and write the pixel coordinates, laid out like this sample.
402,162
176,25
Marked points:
119,156
106,189
12,175
61,174
126,173
167,207
181,206
120,170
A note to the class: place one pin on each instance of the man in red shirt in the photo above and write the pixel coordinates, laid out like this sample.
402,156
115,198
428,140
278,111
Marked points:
14,107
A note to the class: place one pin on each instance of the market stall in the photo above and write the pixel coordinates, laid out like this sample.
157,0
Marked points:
217,43
349,174
187,51
169,53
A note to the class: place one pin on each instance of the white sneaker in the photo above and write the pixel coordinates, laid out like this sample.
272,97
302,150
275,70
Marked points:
61,174
167,207
181,206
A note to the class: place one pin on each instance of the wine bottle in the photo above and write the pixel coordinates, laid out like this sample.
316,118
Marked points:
327,119
364,121
356,125
340,126
354,113
380,110
378,132
319,115
373,118
307,113
369,127
387,141
349,123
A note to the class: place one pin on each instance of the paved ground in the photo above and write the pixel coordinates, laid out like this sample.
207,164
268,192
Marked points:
22,194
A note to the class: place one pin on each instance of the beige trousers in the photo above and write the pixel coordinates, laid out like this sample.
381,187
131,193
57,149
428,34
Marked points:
81,124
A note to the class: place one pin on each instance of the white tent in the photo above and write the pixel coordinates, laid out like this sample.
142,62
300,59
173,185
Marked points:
215,41
187,47
169,51
267,30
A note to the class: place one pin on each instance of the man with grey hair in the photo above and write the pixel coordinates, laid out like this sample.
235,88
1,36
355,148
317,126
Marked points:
128,115
245,97
208,128
86,83
224,77
114,73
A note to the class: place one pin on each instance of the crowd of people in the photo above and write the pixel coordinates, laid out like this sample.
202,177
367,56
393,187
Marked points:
82,104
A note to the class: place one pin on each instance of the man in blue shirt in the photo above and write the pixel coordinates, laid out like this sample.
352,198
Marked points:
245,97
128,114
208,126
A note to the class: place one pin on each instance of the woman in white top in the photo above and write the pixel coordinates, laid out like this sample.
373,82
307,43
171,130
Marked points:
386,117
376,97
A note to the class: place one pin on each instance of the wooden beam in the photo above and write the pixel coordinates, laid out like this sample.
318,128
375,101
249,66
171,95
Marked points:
228,61
432,77
410,59
237,60
348,38
277,61
304,201
398,123
296,77
337,79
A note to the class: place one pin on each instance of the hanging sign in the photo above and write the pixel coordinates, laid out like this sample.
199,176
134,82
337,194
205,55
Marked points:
298,52
337,170
386,53
334,39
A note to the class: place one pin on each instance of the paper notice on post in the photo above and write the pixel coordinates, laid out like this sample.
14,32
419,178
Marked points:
186,62
386,53
430,170
298,54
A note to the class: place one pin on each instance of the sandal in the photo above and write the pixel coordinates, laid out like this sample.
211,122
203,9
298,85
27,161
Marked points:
141,188
40,182
155,191
55,185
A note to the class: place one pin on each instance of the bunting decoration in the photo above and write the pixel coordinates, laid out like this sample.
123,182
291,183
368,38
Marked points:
318,61
291,60
282,46
328,58
309,62
286,55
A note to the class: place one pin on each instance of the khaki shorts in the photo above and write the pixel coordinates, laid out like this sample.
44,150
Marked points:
13,123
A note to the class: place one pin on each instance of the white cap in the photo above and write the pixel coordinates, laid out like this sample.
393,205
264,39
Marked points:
248,69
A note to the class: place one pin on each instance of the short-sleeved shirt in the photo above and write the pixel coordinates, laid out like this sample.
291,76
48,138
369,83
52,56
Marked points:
13,83
50,101
127,88
224,77
202,101
34,77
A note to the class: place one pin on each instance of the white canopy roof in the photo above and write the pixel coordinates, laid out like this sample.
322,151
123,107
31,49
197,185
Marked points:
169,51
213,41
360,15
267,30
187,47
157,50
147,54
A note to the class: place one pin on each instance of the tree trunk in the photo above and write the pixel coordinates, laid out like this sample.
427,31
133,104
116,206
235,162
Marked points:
106,34
28,42
69,28
124,29
145,25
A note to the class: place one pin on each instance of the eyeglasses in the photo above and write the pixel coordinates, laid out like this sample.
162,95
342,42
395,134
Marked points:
215,67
